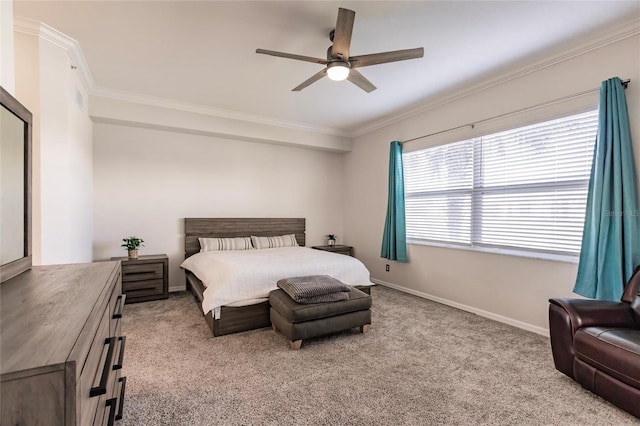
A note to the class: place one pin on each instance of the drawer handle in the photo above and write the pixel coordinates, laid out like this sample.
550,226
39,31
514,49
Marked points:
117,313
148,271
111,403
121,405
118,365
101,389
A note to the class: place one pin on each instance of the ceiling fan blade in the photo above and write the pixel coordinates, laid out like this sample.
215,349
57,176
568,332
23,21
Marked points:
310,80
342,35
359,80
292,56
384,57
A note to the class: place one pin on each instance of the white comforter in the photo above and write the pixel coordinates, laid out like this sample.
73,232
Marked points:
240,277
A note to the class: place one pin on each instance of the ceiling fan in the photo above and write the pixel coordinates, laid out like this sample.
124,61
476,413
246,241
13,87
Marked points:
339,65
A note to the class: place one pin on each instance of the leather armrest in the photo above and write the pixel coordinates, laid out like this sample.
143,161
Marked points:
566,316
586,312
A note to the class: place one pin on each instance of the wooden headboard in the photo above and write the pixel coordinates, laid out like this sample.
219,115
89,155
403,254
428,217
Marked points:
239,227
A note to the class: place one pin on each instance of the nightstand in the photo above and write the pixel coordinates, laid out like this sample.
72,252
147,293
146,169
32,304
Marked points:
348,250
145,278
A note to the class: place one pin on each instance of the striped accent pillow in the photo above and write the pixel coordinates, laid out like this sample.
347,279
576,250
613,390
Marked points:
274,242
217,244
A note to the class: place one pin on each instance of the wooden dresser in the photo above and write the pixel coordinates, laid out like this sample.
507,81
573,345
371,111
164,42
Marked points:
145,278
61,351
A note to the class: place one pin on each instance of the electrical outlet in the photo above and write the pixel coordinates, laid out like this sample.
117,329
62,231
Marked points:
386,268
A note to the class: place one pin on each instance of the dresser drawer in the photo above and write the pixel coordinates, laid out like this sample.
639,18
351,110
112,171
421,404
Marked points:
116,307
108,405
109,380
102,413
91,375
143,288
142,272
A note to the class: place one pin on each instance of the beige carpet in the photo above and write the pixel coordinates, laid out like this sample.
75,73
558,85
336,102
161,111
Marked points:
422,363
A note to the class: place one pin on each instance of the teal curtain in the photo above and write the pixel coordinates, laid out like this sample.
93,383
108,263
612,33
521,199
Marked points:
394,239
611,239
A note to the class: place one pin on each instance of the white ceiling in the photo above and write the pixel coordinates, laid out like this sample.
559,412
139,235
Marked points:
203,52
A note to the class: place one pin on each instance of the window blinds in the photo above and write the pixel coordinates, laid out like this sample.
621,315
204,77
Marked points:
521,189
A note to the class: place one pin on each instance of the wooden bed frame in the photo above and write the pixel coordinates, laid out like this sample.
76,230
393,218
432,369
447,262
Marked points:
235,319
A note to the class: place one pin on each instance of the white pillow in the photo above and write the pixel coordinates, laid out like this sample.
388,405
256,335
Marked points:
274,242
217,244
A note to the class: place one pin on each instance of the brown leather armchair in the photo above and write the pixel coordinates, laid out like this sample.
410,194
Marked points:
597,344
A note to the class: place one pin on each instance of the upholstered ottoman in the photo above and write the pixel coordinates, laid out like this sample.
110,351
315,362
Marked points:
298,321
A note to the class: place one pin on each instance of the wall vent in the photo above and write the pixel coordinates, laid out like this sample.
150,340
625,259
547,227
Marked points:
79,100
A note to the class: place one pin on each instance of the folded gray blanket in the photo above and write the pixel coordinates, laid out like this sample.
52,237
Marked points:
309,289
323,298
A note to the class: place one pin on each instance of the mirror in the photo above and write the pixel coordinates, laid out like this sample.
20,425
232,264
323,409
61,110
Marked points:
15,187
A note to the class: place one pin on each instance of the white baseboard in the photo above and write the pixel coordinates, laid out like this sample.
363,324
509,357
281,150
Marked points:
493,316
177,288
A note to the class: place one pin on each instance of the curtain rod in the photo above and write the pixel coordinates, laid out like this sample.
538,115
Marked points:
625,83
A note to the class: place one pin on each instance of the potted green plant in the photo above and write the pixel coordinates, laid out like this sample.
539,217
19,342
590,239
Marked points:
331,239
132,244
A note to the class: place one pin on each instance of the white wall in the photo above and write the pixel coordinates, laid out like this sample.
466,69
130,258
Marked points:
62,151
7,63
65,162
147,181
508,288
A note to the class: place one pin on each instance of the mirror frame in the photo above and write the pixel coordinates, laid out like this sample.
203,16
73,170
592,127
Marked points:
11,269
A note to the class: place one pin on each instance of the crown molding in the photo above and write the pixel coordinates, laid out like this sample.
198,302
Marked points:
213,111
35,28
621,32
45,32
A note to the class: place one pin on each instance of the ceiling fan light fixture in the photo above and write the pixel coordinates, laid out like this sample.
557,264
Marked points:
339,59
338,71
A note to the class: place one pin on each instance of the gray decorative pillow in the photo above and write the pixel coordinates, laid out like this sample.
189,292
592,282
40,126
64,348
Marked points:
304,288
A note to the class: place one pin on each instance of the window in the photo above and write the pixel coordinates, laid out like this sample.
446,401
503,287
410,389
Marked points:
520,190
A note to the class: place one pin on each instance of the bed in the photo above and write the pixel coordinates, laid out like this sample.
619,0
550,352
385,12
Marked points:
250,312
